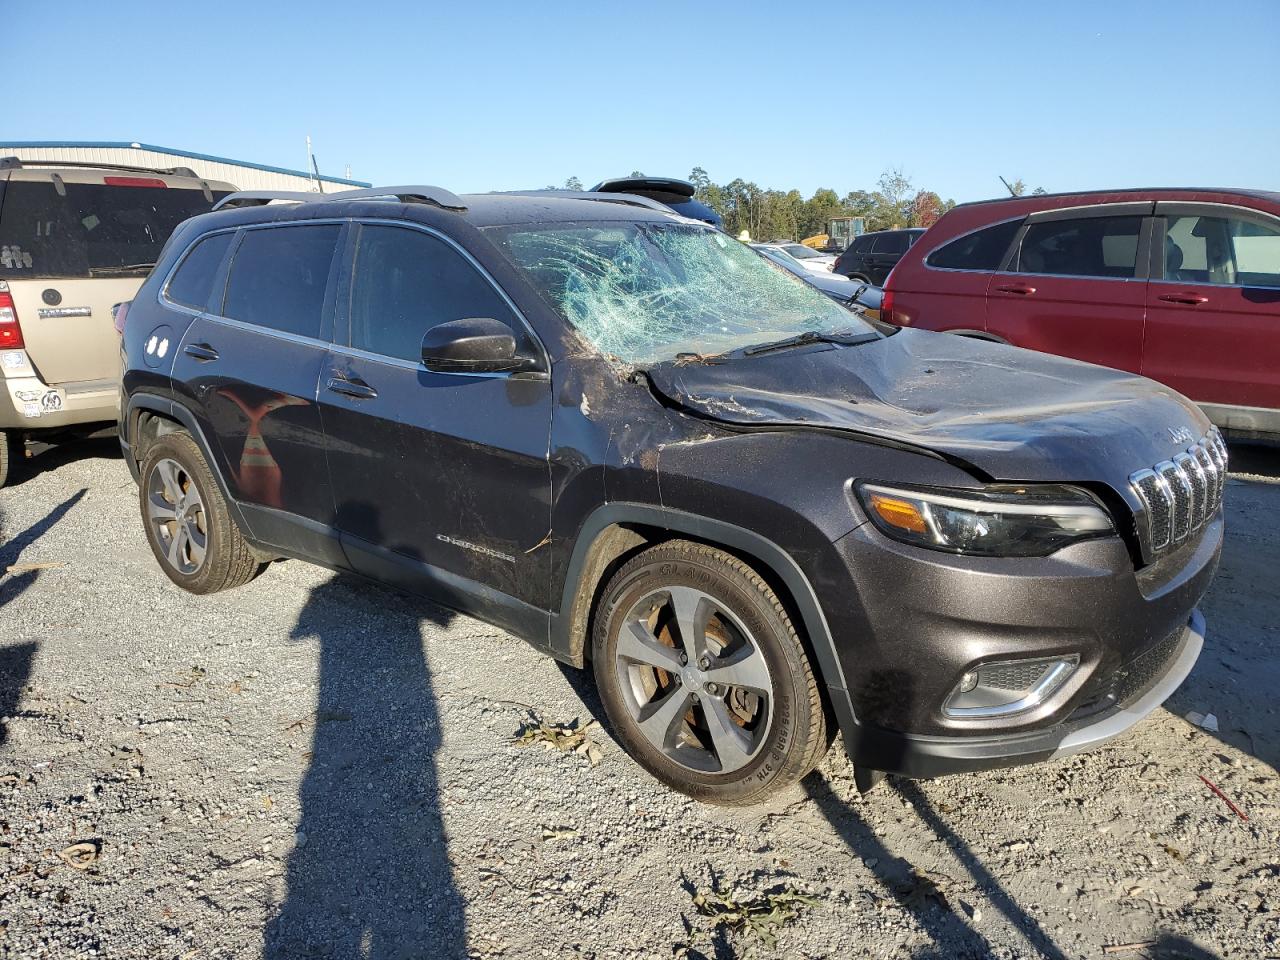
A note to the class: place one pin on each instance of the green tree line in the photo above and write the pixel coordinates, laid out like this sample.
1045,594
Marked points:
786,214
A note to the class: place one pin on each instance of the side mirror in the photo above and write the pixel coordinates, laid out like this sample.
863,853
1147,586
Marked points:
472,345
857,294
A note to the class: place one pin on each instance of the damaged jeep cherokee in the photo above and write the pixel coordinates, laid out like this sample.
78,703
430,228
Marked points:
622,436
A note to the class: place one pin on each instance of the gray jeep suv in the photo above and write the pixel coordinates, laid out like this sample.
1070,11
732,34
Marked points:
625,437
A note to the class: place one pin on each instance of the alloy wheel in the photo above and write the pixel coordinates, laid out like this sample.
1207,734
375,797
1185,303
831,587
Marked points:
177,517
694,680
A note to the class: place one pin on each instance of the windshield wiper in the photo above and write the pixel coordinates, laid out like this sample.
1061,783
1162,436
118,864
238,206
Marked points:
124,268
845,337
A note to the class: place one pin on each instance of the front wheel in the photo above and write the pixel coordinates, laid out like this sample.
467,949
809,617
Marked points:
703,677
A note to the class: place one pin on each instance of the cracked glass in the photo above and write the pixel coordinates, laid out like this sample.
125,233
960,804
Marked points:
647,292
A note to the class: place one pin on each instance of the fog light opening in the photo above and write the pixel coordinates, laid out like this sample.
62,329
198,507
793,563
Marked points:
1003,688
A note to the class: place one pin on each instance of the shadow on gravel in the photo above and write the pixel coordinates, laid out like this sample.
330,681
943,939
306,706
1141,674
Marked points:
370,875
64,453
1237,674
951,936
15,667
16,661
1168,947
937,912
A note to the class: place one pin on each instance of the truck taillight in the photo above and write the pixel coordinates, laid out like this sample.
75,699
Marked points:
886,306
10,330
118,313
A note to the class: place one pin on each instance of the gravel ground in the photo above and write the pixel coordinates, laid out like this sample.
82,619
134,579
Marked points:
315,767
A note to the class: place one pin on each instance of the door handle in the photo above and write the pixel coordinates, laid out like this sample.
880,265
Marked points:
201,351
356,389
1018,288
1190,299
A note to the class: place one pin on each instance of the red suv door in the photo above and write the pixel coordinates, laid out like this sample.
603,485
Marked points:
1213,311
1075,284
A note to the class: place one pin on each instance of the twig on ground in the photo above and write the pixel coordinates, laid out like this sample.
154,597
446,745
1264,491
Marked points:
1225,799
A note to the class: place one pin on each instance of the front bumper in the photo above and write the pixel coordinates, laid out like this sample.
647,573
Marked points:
928,756
910,622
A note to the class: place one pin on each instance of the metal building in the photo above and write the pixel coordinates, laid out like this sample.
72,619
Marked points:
241,173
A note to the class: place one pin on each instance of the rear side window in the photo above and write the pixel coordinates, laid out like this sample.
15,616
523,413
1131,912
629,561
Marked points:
981,250
863,243
1088,247
407,281
1224,250
192,284
94,230
279,275
891,243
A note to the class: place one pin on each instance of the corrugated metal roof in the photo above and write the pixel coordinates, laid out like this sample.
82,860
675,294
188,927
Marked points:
242,173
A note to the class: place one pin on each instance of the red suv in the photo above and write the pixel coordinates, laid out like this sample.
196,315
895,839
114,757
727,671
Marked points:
1182,286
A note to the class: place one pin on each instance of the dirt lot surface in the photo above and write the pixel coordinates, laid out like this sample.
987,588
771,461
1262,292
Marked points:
315,767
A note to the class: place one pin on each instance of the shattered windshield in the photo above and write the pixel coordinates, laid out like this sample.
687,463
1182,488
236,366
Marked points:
648,292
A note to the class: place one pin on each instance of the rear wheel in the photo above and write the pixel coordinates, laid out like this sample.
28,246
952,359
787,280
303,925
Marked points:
188,525
10,455
703,676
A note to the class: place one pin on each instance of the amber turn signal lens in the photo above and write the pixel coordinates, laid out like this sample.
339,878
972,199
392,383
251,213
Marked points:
899,513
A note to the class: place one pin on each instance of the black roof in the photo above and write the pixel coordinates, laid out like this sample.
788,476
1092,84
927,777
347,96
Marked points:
480,209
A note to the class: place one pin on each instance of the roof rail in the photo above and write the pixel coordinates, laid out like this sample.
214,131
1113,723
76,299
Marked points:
256,198
436,196
16,163
420,193
631,199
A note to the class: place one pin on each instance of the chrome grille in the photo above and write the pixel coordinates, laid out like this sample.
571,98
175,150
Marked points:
1181,495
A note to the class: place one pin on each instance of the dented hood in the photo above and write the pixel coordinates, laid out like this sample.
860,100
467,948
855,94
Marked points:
1008,413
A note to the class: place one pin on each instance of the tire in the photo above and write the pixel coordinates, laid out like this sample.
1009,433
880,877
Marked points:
194,538
754,685
10,455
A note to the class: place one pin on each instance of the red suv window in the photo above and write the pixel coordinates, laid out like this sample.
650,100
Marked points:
1087,247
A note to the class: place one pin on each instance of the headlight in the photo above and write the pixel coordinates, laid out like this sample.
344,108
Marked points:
997,521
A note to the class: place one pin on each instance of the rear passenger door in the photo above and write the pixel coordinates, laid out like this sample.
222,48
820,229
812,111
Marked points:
441,479
1075,283
251,367
1213,311
885,253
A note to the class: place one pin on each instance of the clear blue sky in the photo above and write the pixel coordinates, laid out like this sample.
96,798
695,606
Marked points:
498,95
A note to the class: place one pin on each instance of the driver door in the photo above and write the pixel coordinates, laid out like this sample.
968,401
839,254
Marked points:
441,480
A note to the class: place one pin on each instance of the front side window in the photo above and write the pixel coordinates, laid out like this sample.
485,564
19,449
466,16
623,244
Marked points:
981,250
407,281
192,283
1223,250
648,292
90,229
1087,247
279,275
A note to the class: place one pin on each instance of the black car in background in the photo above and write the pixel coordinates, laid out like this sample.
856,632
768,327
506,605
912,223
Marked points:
629,440
871,256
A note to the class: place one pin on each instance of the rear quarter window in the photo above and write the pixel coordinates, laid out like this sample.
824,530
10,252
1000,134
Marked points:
981,250
89,229
192,283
